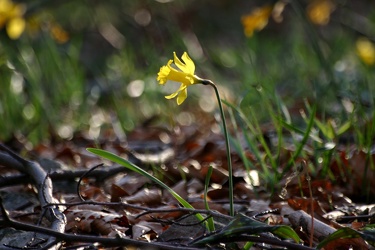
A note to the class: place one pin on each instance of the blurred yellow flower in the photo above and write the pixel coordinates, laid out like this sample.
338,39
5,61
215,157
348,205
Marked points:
185,76
42,22
58,33
366,50
319,11
11,16
256,20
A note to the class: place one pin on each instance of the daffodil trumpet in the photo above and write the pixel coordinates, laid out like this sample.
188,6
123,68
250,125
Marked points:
185,74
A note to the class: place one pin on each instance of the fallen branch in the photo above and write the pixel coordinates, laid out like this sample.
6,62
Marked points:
106,241
43,185
146,210
98,174
301,219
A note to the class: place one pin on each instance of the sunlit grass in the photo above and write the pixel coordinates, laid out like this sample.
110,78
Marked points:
103,74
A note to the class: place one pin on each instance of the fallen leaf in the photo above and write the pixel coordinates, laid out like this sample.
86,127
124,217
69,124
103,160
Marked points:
88,221
144,196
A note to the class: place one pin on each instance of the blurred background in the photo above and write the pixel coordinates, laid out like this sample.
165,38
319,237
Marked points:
69,66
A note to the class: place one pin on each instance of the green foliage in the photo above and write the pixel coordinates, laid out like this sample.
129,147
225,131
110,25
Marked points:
43,88
210,221
242,224
112,157
345,233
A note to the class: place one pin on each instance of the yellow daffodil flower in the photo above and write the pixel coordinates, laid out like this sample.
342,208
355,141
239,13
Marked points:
58,33
185,75
11,16
319,11
366,50
256,20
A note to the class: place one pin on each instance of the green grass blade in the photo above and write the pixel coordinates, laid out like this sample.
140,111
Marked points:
292,128
303,142
210,221
112,157
242,224
249,142
342,233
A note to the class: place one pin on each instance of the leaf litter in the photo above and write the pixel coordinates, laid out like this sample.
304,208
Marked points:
121,203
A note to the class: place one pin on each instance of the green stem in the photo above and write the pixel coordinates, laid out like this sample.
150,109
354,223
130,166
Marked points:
230,168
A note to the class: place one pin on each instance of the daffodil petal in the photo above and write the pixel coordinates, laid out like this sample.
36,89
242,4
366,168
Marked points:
173,95
182,96
178,76
15,27
184,73
189,63
182,66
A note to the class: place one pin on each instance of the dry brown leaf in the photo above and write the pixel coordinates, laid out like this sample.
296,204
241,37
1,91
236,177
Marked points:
144,196
362,173
355,243
127,185
304,204
93,193
259,205
219,175
163,215
194,186
212,205
117,192
179,188
244,191
218,194
88,221
356,225
147,230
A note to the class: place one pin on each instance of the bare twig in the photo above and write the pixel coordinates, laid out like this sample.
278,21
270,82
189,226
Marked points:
187,210
107,241
300,218
176,222
83,176
43,184
146,210
98,174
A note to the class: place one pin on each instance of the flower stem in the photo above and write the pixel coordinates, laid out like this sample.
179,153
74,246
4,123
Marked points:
230,168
